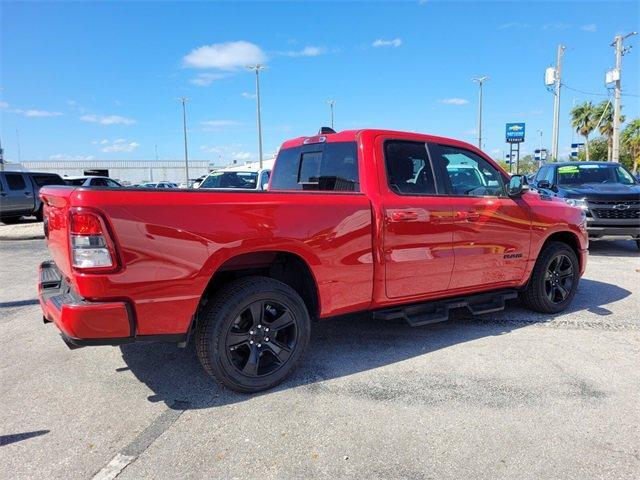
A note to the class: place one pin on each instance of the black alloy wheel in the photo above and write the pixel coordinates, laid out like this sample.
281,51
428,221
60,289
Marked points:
558,280
252,333
261,338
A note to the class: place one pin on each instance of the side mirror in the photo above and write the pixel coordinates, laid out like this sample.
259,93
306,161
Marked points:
517,186
544,184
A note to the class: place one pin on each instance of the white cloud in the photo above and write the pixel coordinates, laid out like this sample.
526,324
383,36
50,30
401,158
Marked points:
536,112
396,42
64,156
229,153
590,27
454,101
308,51
31,112
206,79
225,56
555,26
248,95
107,119
118,146
220,123
516,25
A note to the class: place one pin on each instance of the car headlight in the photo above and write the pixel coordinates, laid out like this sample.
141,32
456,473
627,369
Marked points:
577,202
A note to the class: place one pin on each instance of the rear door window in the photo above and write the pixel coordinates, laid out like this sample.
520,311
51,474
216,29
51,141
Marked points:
15,181
408,168
42,180
324,166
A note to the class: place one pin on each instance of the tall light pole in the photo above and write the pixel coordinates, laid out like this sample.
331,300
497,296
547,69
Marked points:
331,103
184,101
620,51
480,81
256,68
556,103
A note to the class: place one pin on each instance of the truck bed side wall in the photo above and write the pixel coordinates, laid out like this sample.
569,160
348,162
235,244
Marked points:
171,244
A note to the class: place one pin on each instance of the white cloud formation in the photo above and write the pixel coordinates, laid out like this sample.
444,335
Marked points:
225,56
308,51
396,42
107,119
229,153
64,156
119,145
516,25
250,96
556,26
206,79
31,112
454,101
590,27
219,123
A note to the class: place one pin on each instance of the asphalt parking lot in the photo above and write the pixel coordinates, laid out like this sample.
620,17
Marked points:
508,395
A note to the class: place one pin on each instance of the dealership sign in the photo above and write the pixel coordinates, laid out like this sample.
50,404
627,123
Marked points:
515,133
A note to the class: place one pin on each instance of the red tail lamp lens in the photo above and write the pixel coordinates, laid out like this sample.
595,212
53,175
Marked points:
84,223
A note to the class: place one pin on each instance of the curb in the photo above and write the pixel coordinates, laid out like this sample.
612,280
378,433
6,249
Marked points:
25,237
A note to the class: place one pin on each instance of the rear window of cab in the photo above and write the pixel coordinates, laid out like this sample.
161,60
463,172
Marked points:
329,166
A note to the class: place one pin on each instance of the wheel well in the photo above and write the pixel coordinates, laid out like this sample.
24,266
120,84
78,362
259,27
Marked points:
283,266
565,237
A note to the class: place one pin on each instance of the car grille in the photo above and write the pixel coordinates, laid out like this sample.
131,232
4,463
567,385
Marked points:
615,209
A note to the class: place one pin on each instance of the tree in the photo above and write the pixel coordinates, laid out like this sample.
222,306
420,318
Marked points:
604,113
582,119
598,150
631,142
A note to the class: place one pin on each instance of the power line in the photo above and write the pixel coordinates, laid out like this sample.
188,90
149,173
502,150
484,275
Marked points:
597,94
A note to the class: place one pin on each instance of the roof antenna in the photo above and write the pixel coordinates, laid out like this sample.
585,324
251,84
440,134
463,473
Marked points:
326,131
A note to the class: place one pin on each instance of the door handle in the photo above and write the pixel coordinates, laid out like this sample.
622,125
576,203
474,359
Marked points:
404,216
467,216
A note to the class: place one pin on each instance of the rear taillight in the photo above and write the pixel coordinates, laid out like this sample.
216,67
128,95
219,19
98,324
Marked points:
91,247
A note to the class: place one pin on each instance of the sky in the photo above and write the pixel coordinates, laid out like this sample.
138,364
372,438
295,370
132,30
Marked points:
101,80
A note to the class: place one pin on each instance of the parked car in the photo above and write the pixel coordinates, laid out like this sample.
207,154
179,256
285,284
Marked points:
157,185
92,181
607,192
243,179
356,221
19,194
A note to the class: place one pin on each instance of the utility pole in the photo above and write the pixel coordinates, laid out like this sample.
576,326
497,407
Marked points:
256,68
331,103
556,104
480,81
184,101
620,51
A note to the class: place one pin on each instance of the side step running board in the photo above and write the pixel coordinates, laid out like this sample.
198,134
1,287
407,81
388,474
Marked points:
438,311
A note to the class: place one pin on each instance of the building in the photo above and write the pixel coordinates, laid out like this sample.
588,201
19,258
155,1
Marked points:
132,171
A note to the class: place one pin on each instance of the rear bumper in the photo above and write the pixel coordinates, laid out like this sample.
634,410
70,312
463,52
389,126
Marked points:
84,323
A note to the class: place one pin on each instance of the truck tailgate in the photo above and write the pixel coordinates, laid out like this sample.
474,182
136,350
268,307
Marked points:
56,202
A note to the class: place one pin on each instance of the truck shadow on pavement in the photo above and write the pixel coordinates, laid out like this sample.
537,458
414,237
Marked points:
348,345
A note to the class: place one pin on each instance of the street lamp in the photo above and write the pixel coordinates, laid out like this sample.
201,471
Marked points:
331,103
256,68
480,81
184,101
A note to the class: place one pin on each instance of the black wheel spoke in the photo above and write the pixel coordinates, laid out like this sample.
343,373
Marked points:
282,321
281,352
251,367
235,339
562,291
568,272
257,312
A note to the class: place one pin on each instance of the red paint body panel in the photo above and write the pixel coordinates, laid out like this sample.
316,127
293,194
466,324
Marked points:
365,250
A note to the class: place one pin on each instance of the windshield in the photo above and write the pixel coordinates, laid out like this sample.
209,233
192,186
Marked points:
581,174
75,181
247,180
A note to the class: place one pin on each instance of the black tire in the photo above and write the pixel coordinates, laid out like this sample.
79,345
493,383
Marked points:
10,220
552,286
39,215
238,354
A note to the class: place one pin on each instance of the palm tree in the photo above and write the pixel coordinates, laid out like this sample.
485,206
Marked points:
582,119
604,113
631,140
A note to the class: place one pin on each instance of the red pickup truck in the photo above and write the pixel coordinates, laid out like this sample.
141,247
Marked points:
402,225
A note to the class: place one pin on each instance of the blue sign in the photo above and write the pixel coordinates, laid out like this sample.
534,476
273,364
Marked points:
515,133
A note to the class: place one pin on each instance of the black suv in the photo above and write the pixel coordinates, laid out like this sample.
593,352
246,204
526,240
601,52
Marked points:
606,191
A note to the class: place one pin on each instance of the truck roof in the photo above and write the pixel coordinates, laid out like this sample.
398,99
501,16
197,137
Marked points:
352,136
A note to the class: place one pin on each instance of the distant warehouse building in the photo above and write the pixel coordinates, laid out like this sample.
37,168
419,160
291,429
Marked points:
132,171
